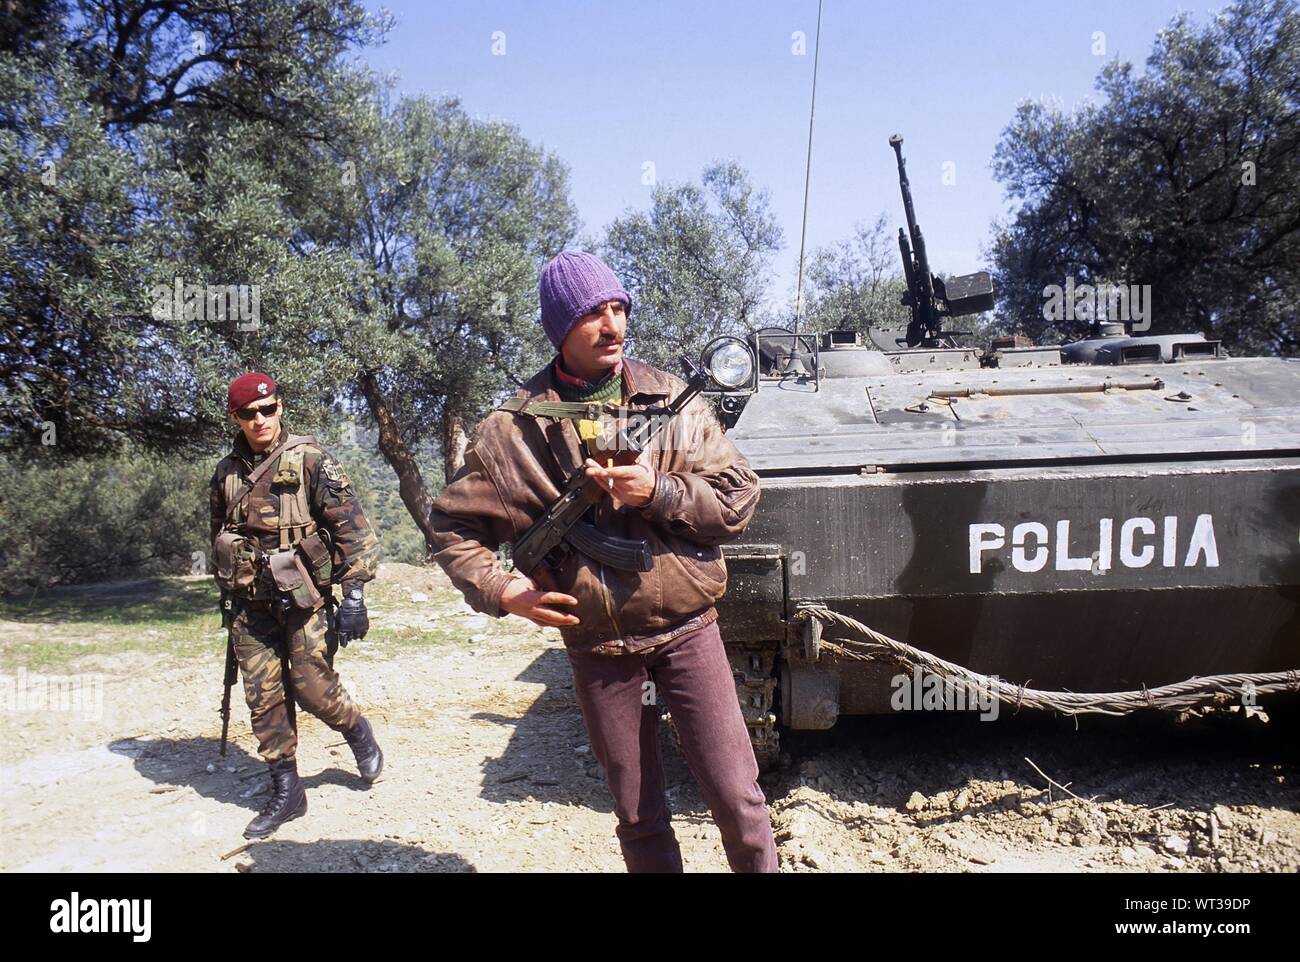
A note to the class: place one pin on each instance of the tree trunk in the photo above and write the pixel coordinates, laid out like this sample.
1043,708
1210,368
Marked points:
411,485
454,443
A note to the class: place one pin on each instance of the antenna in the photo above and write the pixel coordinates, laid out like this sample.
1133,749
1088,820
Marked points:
807,175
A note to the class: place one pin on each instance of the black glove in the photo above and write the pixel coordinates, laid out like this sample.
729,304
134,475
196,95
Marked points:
352,621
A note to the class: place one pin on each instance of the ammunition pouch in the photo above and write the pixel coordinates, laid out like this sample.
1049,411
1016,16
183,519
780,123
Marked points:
318,557
293,582
235,558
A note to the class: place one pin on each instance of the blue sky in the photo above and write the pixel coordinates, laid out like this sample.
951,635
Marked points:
609,86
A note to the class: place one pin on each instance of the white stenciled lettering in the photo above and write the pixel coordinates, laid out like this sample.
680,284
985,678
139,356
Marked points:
1063,560
1105,529
1170,556
1032,545
984,537
1019,560
1203,543
1127,556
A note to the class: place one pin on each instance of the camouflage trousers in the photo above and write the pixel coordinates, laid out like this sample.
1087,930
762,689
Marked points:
263,637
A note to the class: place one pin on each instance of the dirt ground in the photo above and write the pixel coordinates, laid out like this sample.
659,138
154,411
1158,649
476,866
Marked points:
488,769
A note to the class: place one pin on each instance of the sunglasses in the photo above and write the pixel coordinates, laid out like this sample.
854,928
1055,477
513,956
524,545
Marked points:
266,410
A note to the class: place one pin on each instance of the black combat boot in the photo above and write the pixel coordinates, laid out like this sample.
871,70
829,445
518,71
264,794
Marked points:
288,800
370,760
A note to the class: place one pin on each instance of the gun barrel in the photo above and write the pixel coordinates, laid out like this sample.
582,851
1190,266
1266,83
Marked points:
909,275
896,142
921,272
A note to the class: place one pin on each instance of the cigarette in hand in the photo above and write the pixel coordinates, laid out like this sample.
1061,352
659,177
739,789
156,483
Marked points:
609,463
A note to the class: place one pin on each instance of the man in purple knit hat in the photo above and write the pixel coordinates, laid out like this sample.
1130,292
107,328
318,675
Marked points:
636,639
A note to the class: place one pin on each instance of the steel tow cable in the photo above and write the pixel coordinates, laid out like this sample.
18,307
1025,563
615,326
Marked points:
869,645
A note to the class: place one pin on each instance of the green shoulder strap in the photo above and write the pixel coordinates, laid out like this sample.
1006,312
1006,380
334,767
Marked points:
577,410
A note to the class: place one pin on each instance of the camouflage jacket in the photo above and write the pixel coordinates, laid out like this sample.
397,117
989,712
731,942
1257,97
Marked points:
705,494
330,497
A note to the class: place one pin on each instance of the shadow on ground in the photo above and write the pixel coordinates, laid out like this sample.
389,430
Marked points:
543,760
349,855
185,761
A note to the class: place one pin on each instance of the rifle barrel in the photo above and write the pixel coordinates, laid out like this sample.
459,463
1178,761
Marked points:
228,681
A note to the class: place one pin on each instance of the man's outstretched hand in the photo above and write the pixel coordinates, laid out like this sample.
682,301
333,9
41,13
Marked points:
525,599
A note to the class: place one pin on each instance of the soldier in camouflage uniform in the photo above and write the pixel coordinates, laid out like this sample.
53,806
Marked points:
282,534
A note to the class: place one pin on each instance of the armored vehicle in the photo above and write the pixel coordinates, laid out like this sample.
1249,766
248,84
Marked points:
1111,514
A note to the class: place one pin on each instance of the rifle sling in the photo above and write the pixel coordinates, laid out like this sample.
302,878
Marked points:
575,410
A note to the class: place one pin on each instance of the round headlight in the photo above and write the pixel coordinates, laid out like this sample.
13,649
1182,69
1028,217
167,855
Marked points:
731,365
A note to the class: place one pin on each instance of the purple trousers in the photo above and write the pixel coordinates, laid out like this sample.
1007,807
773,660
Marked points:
621,697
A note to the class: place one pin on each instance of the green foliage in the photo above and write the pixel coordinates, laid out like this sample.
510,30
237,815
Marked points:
696,264
1186,178
65,215
103,517
139,513
454,218
145,142
150,147
856,284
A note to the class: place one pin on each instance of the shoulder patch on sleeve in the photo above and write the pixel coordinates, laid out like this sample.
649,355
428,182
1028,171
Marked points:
332,472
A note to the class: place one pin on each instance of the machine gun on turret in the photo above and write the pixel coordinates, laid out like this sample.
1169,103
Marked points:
929,297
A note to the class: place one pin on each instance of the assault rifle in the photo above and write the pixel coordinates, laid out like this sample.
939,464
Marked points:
561,527
232,666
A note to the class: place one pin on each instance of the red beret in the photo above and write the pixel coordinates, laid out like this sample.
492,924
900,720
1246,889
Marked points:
247,388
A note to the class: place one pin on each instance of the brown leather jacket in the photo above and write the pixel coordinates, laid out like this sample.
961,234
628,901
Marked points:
705,495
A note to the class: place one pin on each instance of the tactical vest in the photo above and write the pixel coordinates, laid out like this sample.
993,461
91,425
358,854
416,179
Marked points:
301,559
255,513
